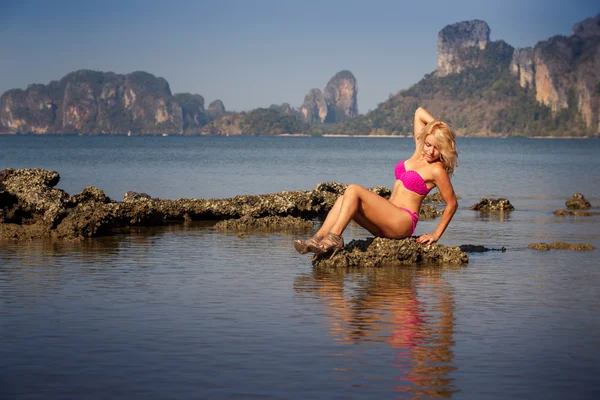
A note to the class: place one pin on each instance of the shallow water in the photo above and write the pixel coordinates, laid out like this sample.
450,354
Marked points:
184,311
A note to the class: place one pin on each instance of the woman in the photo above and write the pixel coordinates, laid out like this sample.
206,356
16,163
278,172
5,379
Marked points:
431,165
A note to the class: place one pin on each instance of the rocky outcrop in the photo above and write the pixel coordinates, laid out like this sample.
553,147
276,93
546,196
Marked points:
337,103
265,224
561,246
578,213
31,207
377,252
455,43
314,108
578,202
493,205
341,97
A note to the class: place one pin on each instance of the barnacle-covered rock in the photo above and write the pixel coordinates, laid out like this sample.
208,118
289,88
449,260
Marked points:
376,252
493,205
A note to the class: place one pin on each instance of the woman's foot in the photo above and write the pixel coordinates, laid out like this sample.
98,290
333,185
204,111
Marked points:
331,242
302,247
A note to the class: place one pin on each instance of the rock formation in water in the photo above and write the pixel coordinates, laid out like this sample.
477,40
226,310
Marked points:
31,207
341,97
92,102
495,205
337,103
378,252
314,108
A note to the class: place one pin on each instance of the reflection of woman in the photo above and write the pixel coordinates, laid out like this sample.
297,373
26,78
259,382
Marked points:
411,311
431,165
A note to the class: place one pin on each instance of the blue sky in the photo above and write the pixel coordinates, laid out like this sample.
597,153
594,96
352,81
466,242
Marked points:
256,53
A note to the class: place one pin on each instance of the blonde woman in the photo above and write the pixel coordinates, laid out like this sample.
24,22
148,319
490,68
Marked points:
431,165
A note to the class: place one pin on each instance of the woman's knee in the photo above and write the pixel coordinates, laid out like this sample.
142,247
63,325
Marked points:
353,189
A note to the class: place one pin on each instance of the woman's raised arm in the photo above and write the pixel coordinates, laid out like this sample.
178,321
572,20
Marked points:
422,118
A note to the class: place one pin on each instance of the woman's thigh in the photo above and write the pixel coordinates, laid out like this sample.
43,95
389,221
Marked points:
380,217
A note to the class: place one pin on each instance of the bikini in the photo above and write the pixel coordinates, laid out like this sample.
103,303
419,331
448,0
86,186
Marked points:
413,182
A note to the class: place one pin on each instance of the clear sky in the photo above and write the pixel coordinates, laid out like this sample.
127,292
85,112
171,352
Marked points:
254,53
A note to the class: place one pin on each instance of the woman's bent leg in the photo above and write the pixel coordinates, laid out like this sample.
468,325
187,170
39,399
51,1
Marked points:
332,216
378,215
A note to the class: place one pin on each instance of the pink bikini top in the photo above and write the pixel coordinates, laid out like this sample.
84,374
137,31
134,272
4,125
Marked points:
411,179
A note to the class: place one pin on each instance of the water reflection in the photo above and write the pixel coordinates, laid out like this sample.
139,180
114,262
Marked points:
410,310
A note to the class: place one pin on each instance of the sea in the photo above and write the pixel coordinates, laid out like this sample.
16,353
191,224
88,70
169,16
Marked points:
185,311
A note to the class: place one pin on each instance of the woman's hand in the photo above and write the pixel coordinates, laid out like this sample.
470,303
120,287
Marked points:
427,238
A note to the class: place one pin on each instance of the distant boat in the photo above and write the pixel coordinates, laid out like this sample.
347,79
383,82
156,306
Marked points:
129,133
165,134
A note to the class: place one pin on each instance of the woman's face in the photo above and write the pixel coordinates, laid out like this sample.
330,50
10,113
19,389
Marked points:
430,150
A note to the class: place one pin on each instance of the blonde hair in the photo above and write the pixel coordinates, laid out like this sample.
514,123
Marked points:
446,143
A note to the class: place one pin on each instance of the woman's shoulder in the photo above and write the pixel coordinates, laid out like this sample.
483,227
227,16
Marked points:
439,170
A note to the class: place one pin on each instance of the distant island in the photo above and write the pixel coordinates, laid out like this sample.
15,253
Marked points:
482,87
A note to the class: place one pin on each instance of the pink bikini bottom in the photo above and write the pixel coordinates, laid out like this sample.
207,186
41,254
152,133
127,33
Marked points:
415,219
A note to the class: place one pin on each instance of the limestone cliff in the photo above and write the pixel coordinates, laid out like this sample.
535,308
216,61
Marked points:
455,42
523,66
340,95
192,112
337,103
314,108
90,102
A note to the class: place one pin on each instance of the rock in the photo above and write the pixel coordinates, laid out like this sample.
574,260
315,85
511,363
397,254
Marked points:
376,252
493,205
35,195
93,194
582,247
473,248
337,103
571,212
539,246
88,219
31,208
427,211
561,246
131,197
578,202
522,66
314,108
269,224
340,95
